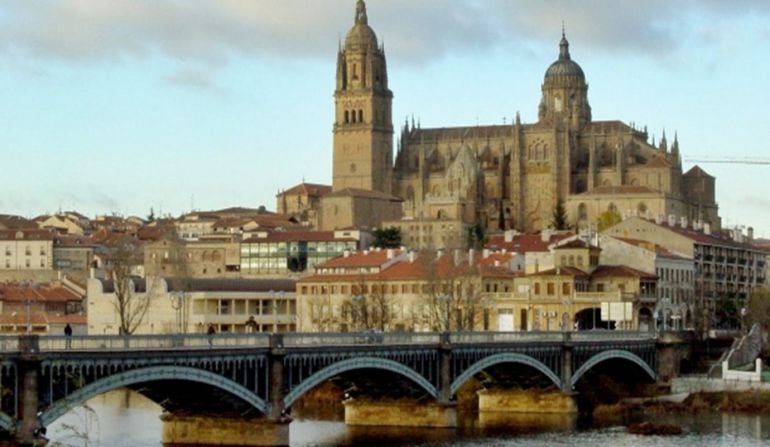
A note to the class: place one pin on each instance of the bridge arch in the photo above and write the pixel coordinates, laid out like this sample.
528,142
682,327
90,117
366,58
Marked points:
504,358
611,354
353,364
134,376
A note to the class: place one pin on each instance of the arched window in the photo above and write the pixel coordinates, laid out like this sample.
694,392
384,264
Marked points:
410,193
641,208
571,260
360,116
582,212
612,208
353,116
347,117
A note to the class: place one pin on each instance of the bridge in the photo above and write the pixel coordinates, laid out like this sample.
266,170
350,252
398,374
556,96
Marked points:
43,377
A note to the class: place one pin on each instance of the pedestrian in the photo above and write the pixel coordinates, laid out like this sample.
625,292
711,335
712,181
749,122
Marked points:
68,335
211,331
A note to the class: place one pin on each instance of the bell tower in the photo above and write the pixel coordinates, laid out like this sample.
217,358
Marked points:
565,91
363,125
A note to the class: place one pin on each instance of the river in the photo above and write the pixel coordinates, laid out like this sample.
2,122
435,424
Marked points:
126,419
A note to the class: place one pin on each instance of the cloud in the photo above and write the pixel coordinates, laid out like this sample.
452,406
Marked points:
192,78
212,31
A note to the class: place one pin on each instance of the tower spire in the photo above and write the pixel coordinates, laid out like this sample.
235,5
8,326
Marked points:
564,45
361,18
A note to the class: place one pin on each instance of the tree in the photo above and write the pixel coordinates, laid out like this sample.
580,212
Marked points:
608,219
452,293
758,308
151,216
368,308
131,305
180,277
559,221
387,237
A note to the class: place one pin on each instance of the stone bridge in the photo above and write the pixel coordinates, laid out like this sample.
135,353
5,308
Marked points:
43,377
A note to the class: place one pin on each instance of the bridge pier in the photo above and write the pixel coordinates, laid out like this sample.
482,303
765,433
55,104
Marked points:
277,391
527,402
29,365
400,413
566,363
208,430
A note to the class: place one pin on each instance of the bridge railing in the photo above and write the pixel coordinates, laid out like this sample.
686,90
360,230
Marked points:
361,338
599,335
505,337
152,342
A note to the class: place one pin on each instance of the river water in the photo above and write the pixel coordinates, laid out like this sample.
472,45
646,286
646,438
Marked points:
126,419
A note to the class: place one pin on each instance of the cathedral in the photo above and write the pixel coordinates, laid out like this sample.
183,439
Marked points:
498,177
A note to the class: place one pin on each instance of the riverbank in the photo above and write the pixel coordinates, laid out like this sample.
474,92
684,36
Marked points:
748,402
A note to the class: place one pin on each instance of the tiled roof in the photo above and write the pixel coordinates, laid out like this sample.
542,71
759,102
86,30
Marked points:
658,161
604,271
71,240
421,268
309,189
697,171
525,243
27,235
575,243
39,293
12,222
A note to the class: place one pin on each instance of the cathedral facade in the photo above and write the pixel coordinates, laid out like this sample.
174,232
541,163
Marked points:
511,176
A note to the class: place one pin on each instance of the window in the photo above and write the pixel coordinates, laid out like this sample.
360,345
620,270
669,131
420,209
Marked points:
565,288
537,288
551,288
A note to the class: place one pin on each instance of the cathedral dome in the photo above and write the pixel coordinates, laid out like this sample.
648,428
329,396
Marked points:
564,66
361,35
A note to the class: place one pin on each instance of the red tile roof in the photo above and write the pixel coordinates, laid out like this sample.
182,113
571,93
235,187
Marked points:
39,293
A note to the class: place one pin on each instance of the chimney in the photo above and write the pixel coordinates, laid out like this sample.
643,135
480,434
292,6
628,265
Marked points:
471,256
671,220
485,253
509,235
390,253
497,263
683,222
659,219
545,235
92,273
412,256
707,228
457,257
346,253
439,253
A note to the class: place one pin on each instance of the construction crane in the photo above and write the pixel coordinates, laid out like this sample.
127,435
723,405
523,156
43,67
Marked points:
731,160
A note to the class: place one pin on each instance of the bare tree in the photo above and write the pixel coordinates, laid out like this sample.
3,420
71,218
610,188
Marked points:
368,308
452,292
131,305
180,274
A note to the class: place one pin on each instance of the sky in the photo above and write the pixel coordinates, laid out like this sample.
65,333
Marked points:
120,106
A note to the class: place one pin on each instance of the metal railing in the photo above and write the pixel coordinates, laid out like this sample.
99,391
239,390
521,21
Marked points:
55,343
360,338
151,342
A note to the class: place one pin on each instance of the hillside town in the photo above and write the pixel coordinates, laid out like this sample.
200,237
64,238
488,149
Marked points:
242,270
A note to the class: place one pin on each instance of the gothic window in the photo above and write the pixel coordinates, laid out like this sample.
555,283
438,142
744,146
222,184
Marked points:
579,187
355,71
641,208
360,116
352,168
441,214
557,103
607,182
347,117
353,116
